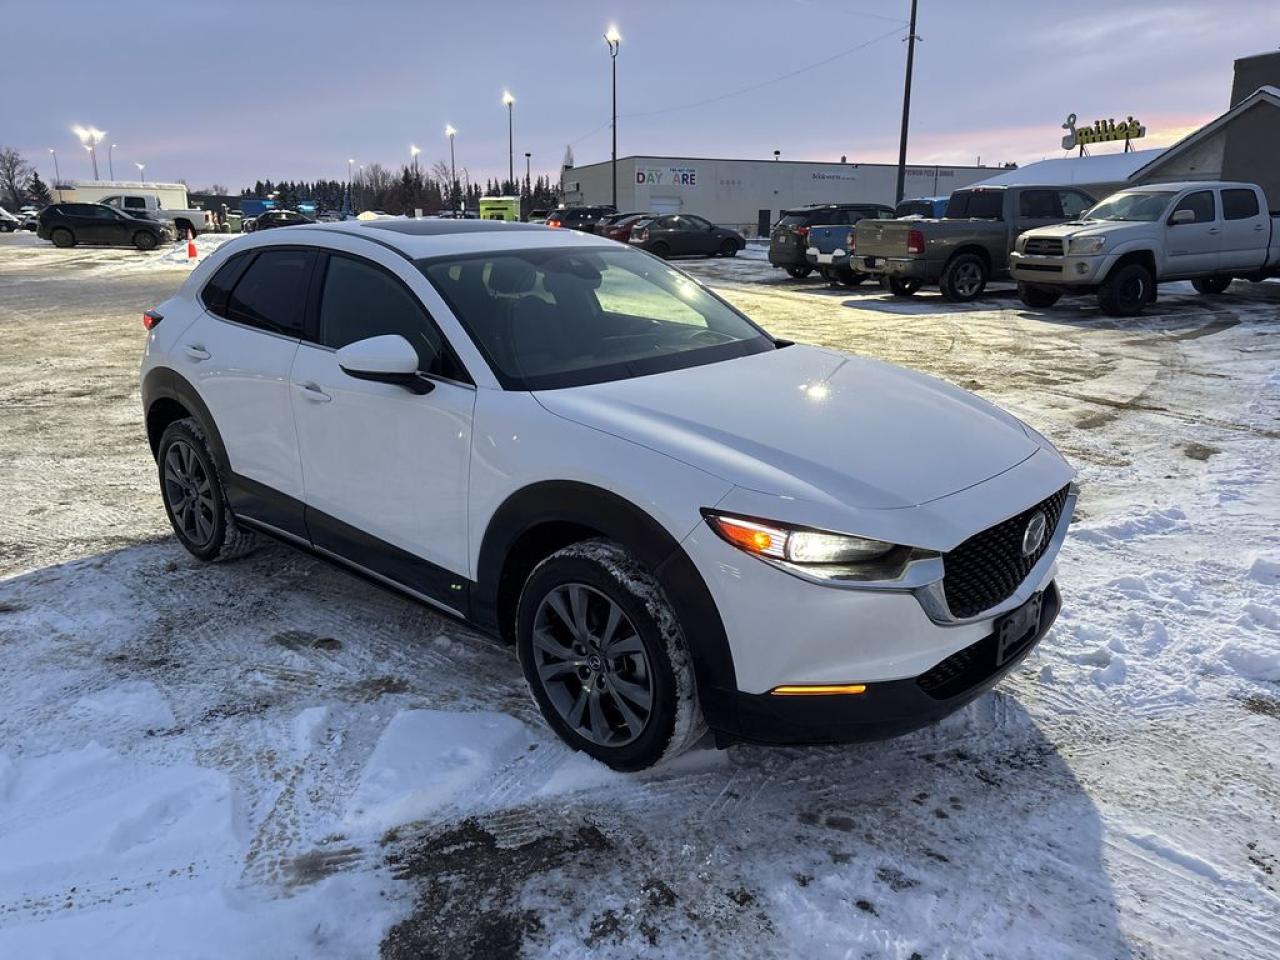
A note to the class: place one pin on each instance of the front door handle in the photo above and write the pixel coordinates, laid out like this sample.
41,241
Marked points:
312,392
1213,231
197,352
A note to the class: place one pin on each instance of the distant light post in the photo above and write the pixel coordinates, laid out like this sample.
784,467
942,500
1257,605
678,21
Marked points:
141,167
614,40
90,137
57,174
777,154
528,183
111,167
509,100
450,132
413,152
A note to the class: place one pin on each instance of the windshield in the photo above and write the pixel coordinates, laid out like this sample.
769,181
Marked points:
565,317
1130,206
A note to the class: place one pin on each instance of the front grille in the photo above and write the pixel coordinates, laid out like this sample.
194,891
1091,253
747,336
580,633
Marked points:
988,567
1044,247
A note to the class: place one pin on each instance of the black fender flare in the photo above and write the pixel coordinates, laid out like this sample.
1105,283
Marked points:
165,383
620,520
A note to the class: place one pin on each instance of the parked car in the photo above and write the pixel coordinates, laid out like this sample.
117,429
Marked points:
148,205
68,224
676,519
931,208
537,216
604,223
968,247
30,221
279,218
1208,232
619,228
682,234
8,222
831,249
789,238
579,218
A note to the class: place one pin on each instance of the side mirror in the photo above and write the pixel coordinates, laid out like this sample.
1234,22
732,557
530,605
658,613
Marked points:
386,359
1182,216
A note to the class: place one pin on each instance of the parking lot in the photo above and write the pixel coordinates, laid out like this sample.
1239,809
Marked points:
274,758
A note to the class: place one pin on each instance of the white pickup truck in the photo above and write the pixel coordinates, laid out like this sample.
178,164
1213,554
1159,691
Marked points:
149,205
1208,232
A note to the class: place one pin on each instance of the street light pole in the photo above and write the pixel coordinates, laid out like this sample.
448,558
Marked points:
528,184
906,103
509,100
449,132
111,166
614,40
57,174
141,167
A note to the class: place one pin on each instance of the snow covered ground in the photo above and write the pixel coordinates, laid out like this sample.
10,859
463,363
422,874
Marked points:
273,759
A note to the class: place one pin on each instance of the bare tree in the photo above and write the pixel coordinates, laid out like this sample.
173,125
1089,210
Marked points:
14,173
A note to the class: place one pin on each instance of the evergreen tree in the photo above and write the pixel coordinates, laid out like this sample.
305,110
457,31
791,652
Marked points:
36,189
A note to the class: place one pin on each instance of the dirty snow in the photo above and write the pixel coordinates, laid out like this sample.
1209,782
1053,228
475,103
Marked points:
271,758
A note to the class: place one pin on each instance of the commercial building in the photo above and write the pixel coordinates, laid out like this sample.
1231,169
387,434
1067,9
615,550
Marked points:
748,194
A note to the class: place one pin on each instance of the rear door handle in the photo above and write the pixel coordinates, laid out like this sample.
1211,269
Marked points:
312,392
197,352
1213,231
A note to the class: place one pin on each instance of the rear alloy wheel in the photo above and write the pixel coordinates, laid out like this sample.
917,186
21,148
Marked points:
1126,291
144,241
728,249
1036,296
1211,285
799,273
964,278
902,286
193,496
605,657
660,250
62,237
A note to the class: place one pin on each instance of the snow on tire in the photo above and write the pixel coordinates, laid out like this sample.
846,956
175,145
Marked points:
607,570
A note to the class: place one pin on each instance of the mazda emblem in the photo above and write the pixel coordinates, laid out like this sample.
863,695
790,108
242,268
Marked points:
1033,536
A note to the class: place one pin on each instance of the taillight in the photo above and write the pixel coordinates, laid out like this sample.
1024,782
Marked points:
802,232
915,241
150,319
848,241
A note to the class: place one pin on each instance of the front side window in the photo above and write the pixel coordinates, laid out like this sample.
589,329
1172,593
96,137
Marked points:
564,317
1200,203
272,292
360,301
1073,203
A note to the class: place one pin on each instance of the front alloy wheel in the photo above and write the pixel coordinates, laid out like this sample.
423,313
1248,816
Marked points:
605,657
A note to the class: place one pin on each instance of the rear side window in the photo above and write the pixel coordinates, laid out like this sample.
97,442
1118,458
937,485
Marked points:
272,292
1200,203
218,289
976,205
135,203
362,301
1239,204
792,218
1039,205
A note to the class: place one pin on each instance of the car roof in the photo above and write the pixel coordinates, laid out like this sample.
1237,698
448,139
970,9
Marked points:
419,238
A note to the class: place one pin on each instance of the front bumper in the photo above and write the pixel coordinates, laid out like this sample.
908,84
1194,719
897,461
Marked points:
886,709
1066,271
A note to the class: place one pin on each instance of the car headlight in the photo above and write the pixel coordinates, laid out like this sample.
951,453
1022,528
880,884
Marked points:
1085,245
796,544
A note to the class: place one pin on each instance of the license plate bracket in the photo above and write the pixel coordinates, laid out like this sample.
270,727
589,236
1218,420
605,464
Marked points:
1016,628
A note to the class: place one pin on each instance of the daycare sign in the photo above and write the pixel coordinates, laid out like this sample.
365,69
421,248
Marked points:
666,176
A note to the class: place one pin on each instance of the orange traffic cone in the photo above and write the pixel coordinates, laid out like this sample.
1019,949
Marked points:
191,245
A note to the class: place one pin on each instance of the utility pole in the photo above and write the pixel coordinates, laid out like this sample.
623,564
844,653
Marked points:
450,132
906,103
614,40
509,100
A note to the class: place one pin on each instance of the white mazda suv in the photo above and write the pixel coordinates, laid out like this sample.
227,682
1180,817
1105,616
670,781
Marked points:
679,521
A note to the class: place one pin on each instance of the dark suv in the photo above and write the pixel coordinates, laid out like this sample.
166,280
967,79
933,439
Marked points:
790,236
579,218
67,224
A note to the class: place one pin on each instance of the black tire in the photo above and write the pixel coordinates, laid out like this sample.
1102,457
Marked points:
1211,286
62,237
7,227
799,273
144,241
850,278
561,671
902,286
825,274
1126,291
181,227
208,530
1036,296
660,250
729,248
963,278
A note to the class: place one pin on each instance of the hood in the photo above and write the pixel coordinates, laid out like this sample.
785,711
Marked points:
809,423
1076,228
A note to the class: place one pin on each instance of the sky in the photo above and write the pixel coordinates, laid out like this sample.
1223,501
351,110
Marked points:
232,91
